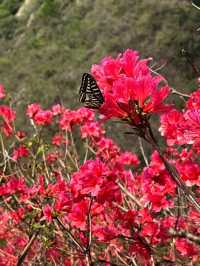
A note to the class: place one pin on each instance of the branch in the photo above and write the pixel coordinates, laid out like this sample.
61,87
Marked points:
173,171
185,234
129,194
180,93
142,151
70,235
26,249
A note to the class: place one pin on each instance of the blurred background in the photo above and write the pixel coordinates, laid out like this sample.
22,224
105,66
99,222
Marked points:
46,45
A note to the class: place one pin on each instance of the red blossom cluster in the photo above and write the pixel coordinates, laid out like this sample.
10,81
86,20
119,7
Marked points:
130,90
72,196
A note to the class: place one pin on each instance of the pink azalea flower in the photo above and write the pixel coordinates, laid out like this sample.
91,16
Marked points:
47,211
57,109
92,130
32,109
89,178
194,100
78,214
171,127
2,92
129,89
57,139
186,248
20,152
43,117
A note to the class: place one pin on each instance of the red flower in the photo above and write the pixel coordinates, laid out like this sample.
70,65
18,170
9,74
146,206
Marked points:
70,118
18,215
20,152
7,128
14,185
89,178
63,202
57,109
92,130
8,116
170,127
7,113
105,234
47,211
32,109
189,172
57,140
130,90
20,135
107,149
141,251
2,92
78,215
194,100
52,157
109,192
186,248
191,127
43,117
128,158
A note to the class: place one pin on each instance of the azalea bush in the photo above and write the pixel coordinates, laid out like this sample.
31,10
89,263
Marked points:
71,196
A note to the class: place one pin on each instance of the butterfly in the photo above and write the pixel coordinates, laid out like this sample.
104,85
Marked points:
89,92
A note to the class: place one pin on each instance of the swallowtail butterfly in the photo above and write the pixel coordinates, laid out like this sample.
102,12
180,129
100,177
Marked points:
89,92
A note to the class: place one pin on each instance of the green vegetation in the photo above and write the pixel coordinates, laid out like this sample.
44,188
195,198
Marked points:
45,52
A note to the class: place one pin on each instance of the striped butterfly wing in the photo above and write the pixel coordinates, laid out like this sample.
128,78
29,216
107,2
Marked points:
89,93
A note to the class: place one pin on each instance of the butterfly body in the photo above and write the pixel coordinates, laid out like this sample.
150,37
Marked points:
89,93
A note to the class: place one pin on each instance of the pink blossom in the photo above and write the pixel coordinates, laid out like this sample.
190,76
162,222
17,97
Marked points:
57,139
48,212
186,248
43,117
78,214
57,109
130,90
2,92
32,109
20,152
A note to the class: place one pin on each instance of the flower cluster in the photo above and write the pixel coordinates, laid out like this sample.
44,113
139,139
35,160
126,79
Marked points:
130,90
71,196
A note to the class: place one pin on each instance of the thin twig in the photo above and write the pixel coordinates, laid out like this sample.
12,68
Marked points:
66,145
74,148
158,68
91,149
70,235
89,222
120,207
180,93
120,258
142,151
86,152
45,166
178,215
129,194
4,154
134,262
185,234
26,249
72,160
195,6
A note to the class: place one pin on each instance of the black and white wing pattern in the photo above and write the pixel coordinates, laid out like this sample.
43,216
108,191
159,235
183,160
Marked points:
89,92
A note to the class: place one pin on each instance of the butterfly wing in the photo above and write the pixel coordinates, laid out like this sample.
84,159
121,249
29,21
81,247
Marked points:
89,92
